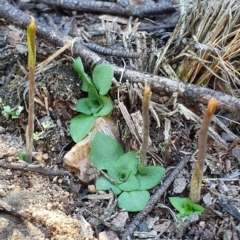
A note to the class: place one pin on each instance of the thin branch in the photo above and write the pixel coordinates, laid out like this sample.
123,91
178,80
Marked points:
111,52
154,199
112,8
11,210
159,85
23,166
229,208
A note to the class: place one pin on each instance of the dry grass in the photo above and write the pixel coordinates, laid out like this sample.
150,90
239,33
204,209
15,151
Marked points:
206,50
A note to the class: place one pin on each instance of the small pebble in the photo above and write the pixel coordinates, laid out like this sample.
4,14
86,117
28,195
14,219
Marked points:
45,156
11,187
49,206
91,189
2,192
67,194
193,218
103,236
55,179
202,224
2,130
12,151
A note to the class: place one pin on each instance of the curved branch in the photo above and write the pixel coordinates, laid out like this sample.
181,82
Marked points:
111,7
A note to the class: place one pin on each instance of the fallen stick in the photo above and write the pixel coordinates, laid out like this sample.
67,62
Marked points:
4,206
23,166
159,85
112,7
128,232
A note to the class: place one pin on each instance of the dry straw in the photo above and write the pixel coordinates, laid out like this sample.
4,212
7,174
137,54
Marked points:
206,49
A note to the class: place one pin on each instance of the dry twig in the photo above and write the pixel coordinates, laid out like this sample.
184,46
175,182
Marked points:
23,166
154,199
112,8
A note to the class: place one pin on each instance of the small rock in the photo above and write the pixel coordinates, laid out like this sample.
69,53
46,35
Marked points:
11,187
67,194
45,156
206,234
55,179
49,206
3,193
103,236
12,151
91,189
120,220
236,153
163,227
143,227
202,224
2,130
39,157
207,199
144,235
179,184
151,221
193,218
238,228
227,234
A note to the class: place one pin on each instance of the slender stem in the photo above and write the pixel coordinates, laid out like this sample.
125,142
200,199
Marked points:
31,33
145,112
196,181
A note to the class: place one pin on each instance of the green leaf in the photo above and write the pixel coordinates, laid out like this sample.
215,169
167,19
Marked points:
106,108
22,156
102,78
6,110
105,151
103,184
148,177
128,163
185,206
133,201
177,202
86,80
130,185
113,173
125,165
88,106
93,93
198,209
188,206
80,126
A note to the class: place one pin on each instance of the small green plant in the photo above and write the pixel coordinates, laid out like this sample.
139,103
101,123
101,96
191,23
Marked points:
185,207
127,177
96,104
14,113
22,156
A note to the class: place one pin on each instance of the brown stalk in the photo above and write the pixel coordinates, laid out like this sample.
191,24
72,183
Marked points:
145,112
196,181
31,33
